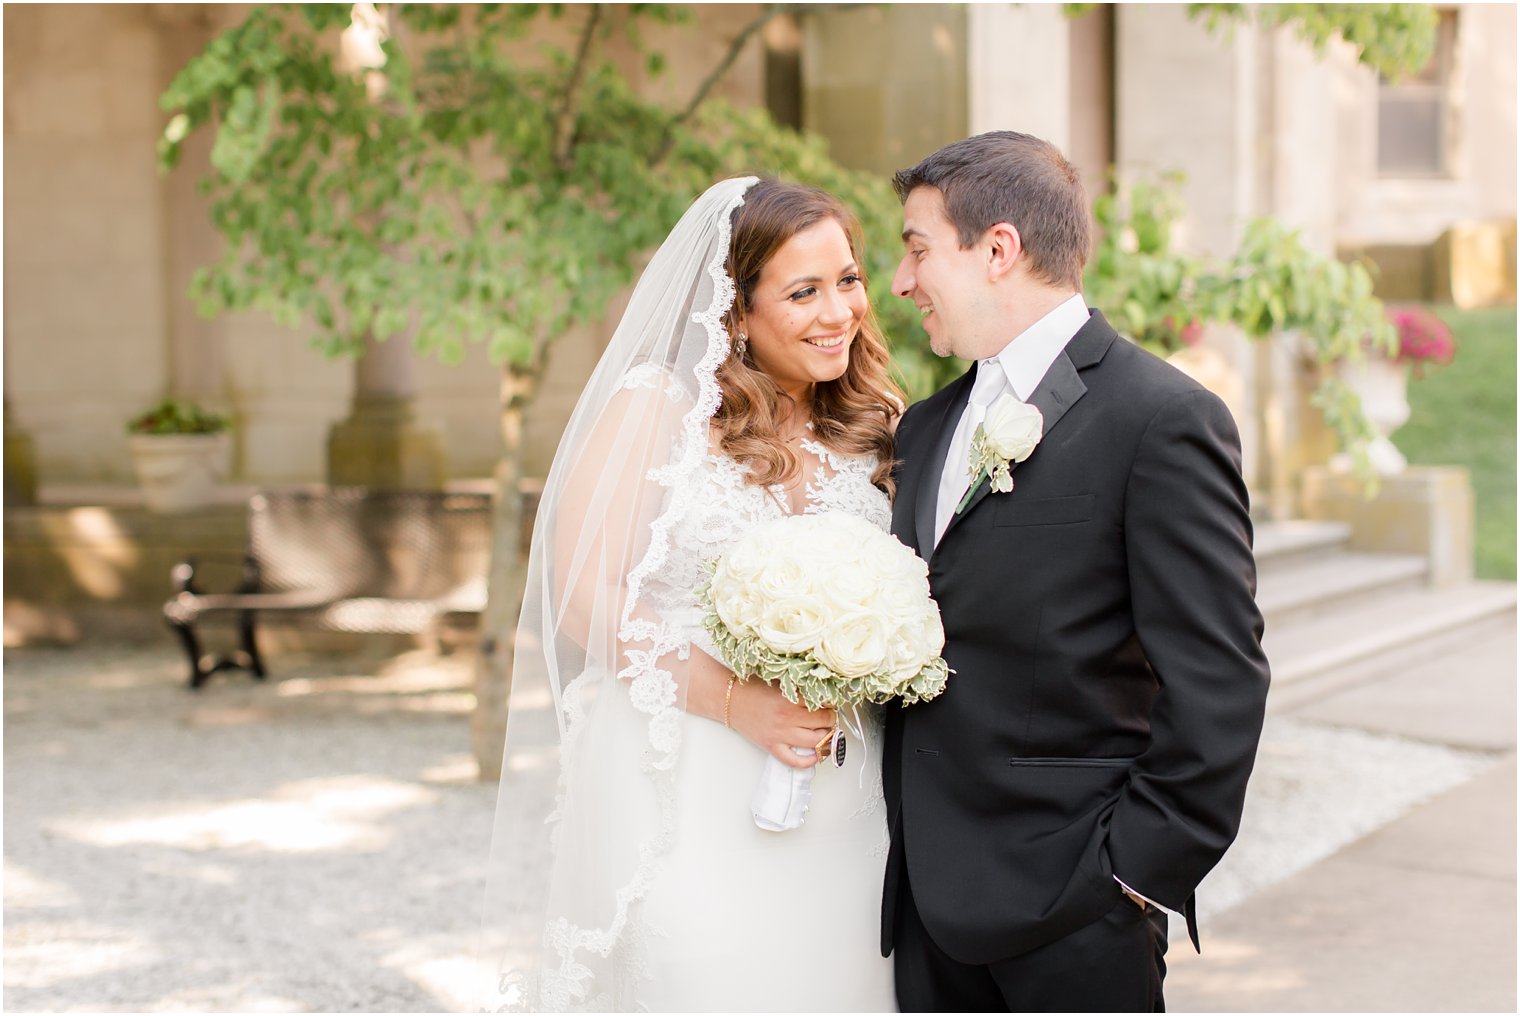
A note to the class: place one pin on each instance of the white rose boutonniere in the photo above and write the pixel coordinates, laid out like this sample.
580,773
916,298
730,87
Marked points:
1009,434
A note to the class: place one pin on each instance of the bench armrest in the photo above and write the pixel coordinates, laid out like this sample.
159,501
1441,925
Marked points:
183,577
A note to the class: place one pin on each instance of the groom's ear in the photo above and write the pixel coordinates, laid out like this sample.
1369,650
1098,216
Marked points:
1004,247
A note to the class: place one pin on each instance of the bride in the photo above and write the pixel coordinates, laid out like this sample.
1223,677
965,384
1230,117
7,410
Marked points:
747,380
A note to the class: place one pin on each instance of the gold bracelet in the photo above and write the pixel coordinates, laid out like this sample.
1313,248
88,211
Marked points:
728,700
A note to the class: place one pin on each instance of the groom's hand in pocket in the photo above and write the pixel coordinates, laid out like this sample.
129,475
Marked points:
766,719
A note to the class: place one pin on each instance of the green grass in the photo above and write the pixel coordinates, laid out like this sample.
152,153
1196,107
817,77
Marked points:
1464,415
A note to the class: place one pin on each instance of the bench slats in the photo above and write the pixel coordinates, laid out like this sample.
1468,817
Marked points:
346,559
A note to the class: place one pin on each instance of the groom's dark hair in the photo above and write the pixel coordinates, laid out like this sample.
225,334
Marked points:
1005,176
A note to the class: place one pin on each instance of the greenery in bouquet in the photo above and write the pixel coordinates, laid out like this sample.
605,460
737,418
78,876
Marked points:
830,609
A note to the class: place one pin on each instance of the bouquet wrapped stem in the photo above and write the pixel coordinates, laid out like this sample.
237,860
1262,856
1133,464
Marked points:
783,794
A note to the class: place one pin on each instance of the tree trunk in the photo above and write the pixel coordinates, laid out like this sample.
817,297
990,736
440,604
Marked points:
504,588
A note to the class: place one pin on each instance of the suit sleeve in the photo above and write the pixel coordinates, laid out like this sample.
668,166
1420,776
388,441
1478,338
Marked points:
1192,587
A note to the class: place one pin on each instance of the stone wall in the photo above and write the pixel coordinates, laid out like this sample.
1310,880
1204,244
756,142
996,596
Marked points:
1373,210
86,321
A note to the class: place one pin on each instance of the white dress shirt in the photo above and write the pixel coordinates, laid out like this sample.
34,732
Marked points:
1019,368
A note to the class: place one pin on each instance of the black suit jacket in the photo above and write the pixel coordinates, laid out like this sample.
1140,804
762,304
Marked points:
1109,684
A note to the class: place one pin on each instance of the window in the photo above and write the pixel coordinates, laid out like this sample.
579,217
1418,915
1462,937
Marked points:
1414,119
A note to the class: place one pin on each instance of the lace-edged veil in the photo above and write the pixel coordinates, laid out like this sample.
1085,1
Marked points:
598,683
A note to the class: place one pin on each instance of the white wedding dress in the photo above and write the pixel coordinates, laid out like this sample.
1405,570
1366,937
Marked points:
627,872
755,920
733,918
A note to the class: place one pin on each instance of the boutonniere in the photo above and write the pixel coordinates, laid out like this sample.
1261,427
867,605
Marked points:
1009,434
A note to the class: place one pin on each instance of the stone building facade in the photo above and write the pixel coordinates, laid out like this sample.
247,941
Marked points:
100,246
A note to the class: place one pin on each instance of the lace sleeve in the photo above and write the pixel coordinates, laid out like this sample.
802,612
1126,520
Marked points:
622,594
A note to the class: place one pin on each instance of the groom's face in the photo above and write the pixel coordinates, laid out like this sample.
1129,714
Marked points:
948,284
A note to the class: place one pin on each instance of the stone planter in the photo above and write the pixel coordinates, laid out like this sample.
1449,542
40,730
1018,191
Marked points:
179,472
1383,387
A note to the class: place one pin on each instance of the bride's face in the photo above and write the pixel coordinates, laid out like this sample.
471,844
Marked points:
807,309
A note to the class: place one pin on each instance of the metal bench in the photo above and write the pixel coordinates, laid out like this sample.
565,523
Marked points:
343,559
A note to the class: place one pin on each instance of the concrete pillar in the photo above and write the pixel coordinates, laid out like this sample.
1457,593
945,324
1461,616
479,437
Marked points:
1298,141
382,443
1091,96
1189,99
880,121
1018,70
1297,186
20,464
197,358
20,454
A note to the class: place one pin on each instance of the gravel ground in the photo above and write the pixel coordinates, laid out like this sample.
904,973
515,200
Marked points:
314,844
318,843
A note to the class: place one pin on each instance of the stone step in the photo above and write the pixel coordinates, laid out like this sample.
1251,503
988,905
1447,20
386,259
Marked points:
1301,588
1311,658
1293,540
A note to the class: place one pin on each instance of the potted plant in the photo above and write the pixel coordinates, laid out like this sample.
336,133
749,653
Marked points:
1381,378
180,453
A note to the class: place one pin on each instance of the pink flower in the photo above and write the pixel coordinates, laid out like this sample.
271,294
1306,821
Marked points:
1190,334
1423,337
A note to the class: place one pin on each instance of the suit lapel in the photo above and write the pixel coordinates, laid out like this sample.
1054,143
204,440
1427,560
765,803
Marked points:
926,502
1056,393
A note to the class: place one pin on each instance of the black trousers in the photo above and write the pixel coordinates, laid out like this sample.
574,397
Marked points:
1114,964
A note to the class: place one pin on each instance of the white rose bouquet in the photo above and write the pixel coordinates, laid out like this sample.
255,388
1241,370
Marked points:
834,612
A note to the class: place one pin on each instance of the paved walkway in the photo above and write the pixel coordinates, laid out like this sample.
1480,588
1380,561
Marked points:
318,843
1418,915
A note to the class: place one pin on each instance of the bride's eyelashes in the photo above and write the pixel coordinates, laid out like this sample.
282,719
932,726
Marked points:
847,282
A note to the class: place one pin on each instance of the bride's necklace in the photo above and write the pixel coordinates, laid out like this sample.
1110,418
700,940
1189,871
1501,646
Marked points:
802,435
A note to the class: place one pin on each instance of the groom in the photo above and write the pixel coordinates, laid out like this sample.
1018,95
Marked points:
1087,762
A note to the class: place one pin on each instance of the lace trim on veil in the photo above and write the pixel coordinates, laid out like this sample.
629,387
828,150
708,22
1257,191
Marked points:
651,689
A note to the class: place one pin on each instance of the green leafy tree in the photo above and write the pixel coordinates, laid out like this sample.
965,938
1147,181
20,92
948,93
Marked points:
1272,285
468,182
1392,39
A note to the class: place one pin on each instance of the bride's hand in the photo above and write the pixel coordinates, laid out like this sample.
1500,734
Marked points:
766,719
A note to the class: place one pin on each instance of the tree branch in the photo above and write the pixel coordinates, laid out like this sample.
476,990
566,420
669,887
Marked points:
740,41
564,120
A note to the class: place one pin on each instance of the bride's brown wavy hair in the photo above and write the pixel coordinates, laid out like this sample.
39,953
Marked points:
852,414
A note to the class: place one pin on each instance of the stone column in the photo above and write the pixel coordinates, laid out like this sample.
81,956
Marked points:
382,443
1188,98
1018,74
1091,95
20,456
876,120
197,345
1298,187
20,464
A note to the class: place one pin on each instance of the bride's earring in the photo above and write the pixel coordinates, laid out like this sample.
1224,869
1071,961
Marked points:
741,343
